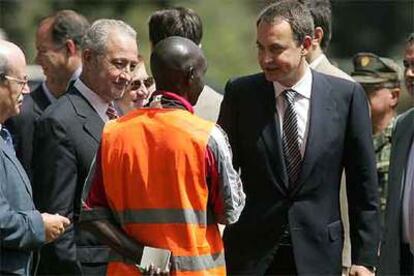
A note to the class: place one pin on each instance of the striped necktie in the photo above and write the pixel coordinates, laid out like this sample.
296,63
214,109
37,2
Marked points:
111,112
290,141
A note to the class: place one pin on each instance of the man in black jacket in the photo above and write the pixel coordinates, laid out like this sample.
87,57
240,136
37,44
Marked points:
58,40
292,131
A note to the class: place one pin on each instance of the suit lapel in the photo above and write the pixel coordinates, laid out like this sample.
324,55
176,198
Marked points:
271,137
402,144
93,124
40,99
322,109
12,157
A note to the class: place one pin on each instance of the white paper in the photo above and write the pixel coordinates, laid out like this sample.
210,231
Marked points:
156,256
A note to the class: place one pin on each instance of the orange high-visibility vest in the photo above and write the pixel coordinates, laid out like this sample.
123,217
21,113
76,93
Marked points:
153,165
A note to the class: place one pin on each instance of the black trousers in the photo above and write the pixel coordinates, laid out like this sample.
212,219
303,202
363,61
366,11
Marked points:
284,260
406,263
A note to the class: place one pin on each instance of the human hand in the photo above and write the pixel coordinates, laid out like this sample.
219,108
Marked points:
359,270
152,270
55,225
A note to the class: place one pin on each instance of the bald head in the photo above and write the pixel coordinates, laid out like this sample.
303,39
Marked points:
10,54
178,65
12,79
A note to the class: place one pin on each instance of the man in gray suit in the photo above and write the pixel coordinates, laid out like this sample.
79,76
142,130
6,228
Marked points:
322,18
22,227
186,23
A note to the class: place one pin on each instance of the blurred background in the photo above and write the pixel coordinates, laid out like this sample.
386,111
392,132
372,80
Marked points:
378,26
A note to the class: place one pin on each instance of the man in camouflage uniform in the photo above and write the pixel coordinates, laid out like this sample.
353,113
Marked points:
381,81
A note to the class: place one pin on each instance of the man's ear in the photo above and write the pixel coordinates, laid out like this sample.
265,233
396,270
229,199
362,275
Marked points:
306,45
70,47
87,56
318,35
395,97
190,75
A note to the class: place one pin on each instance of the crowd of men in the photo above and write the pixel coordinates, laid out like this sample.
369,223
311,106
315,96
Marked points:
310,169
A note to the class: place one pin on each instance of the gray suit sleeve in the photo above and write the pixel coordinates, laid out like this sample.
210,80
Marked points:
20,230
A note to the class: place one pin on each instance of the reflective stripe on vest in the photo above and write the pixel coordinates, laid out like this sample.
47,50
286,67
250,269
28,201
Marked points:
187,216
185,263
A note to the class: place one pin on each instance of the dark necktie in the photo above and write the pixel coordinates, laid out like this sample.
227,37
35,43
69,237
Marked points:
111,112
293,158
5,134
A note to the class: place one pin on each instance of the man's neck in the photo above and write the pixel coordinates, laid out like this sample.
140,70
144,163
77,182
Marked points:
314,54
379,124
297,76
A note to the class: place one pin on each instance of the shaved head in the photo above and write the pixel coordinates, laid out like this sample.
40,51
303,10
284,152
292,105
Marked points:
178,65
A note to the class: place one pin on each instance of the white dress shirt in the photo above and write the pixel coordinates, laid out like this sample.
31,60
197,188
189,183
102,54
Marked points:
302,105
97,102
408,201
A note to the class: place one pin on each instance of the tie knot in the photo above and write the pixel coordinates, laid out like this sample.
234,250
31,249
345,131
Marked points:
111,112
290,95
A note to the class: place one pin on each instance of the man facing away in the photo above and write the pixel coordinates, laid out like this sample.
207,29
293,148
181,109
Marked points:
301,129
66,139
186,23
163,176
58,39
22,228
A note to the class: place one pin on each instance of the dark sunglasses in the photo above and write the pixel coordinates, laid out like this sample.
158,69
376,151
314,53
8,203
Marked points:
408,64
148,82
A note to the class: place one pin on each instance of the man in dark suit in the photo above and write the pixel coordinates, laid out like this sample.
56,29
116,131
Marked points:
58,40
22,227
292,131
397,250
66,139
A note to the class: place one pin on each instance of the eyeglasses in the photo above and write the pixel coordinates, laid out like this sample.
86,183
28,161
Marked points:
136,84
22,82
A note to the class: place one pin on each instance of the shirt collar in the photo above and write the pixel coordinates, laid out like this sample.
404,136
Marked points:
317,61
76,74
302,87
48,94
97,102
177,98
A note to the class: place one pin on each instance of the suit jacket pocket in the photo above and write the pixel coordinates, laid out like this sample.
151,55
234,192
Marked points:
335,230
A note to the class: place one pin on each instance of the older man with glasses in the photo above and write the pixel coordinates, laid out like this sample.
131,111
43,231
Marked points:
67,137
22,227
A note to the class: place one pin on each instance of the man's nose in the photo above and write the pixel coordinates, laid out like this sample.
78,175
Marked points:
26,89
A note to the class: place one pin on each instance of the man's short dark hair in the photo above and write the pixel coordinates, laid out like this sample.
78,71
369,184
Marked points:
178,21
322,17
68,24
293,12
